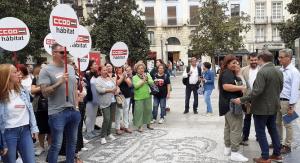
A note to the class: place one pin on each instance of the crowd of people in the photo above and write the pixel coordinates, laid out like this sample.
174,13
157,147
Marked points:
48,105
36,106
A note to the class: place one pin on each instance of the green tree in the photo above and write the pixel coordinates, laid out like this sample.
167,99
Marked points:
35,14
216,31
290,30
119,20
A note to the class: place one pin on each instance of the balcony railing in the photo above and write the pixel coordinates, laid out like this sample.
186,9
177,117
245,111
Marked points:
261,20
277,19
276,38
260,39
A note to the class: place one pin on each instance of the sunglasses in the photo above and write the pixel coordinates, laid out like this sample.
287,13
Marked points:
61,52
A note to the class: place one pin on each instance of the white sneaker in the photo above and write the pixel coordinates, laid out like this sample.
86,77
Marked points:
235,156
84,149
85,141
161,121
153,121
102,141
39,150
111,137
227,151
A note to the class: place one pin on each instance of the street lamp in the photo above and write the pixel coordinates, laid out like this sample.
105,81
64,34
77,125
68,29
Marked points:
167,54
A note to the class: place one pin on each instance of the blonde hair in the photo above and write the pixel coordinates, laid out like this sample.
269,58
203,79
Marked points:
5,71
138,64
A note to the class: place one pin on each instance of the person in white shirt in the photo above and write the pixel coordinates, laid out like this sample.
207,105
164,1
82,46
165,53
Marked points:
17,120
191,78
288,97
26,80
249,74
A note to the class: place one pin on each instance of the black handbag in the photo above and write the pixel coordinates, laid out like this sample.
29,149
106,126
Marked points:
154,89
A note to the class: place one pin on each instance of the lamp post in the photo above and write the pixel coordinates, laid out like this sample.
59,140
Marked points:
167,54
161,48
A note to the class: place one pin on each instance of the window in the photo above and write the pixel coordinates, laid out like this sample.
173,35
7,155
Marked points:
172,15
193,15
151,37
235,9
276,34
260,34
260,10
173,41
277,10
149,16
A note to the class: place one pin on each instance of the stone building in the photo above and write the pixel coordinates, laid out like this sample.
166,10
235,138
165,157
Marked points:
265,16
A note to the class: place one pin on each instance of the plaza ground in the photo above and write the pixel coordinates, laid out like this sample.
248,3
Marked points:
192,138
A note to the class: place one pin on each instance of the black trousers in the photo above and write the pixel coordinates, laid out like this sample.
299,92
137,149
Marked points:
188,90
247,125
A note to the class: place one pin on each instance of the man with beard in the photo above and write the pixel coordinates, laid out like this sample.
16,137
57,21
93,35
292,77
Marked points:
249,74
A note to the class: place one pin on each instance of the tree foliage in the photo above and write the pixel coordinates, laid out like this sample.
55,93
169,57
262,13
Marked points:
35,14
290,30
119,20
216,31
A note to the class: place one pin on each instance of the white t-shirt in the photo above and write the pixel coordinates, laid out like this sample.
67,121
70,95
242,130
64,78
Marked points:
18,114
194,75
26,83
252,76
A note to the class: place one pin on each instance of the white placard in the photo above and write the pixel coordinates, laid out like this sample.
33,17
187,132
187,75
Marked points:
83,44
48,42
14,34
84,62
119,54
64,25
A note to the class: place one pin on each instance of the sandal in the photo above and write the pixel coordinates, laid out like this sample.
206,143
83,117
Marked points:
140,129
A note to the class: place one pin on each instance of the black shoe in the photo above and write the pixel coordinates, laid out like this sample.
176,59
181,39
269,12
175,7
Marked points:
245,139
243,143
195,112
97,127
185,112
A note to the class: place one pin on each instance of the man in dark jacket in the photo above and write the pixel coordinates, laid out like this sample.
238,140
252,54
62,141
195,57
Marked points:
265,102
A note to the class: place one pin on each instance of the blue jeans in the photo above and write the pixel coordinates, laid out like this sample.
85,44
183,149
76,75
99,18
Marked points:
260,122
207,94
19,139
67,120
156,102
247,126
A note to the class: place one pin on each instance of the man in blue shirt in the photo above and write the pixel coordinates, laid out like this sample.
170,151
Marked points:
288,97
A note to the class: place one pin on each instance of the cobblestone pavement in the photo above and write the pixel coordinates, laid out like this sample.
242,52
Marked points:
182,138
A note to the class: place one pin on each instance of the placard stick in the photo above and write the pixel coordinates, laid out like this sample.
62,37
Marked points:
66,71
80,77
15,60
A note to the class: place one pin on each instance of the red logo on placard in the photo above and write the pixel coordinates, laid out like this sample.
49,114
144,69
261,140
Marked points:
19,106
83,39
119,52
50,41
12,31
64,22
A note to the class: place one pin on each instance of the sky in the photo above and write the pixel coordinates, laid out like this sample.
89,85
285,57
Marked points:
243,5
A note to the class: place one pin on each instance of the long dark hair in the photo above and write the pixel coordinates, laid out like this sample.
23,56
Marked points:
227,59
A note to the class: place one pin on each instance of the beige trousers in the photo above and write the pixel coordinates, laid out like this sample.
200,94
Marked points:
288,127
233,131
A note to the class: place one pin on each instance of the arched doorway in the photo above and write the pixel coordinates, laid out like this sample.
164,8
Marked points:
172,47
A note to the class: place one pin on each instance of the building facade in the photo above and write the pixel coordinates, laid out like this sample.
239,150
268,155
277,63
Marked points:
265,16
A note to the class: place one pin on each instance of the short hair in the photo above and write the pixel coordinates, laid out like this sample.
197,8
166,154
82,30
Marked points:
54,46
207,65
252,55
138,64
266,56
287,52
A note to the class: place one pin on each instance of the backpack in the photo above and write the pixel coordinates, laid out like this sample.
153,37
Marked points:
185,81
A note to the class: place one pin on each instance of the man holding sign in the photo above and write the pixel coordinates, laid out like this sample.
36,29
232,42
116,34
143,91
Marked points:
63,115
